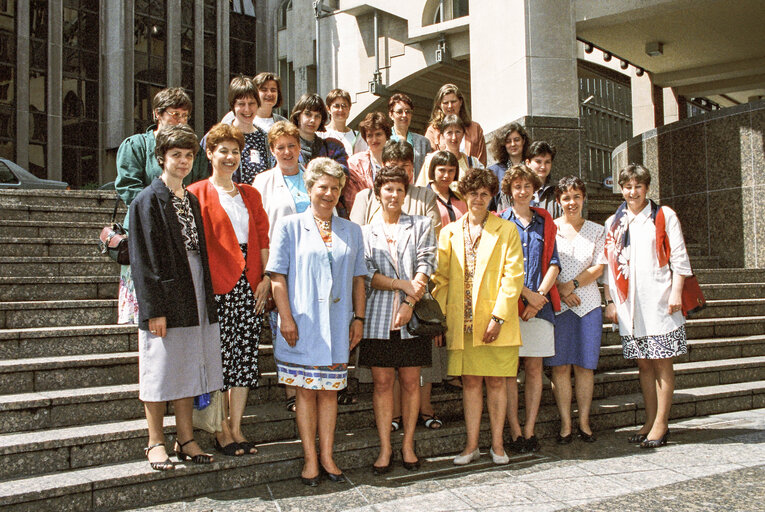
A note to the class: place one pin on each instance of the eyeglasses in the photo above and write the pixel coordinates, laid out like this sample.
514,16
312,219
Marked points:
183,116
401,112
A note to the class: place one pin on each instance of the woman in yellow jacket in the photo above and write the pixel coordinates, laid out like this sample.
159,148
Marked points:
477,284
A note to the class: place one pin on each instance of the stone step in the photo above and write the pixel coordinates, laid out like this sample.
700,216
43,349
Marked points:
57,288
20,246
732,307
70,213
611,357
698,328
67,341
21,266
55,313
730,275
50,229
82,198
733,290
62,479
703,262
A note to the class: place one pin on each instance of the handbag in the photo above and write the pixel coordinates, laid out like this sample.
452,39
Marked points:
693,298
210,418
427,318
113,240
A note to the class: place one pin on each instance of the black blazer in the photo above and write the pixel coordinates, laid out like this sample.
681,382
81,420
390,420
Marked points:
158,260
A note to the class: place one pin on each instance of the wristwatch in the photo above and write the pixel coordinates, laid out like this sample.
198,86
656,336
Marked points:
497,319
608,301
576,284
359,318
410,304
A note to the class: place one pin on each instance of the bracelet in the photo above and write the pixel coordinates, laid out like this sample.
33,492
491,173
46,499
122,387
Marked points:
359,318
497,319
609,301
409,303
393,285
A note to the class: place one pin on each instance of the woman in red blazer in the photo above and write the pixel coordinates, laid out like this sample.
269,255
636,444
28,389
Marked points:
236,226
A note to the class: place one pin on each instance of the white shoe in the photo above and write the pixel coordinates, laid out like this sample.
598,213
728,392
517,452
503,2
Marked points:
499,459
461,460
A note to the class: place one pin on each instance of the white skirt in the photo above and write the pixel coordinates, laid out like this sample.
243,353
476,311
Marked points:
538,337
186,362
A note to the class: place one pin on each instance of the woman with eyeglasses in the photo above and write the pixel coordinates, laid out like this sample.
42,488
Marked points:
401,110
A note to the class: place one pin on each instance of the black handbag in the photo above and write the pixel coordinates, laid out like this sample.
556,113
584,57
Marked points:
113,240
427,319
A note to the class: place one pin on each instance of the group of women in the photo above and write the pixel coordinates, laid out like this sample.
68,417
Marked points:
262,238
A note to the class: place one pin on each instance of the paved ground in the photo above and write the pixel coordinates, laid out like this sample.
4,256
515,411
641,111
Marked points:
712,463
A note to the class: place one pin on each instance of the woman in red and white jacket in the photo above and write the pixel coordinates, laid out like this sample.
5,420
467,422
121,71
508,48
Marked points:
237,244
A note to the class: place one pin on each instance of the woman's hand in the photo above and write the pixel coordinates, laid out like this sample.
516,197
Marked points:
566,288
492,331
529,312
262,292
405,286
610,313
158,326
419,288
675,301
439,340
355,333
535,300
572,300
403,315
289,330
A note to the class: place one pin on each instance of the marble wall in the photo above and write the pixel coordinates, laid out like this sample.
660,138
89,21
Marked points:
711,170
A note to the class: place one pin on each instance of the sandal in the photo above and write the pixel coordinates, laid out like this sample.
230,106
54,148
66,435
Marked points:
449,384
290,403
345,397
395,424
199,458
248,448
430,421
164,465
230,449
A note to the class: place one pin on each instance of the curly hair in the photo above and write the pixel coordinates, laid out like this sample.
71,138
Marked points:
567,183
519,172
476,179
375,121
636,172
282,129
402,98
266,76
310,102
443,158
437,115
391,174
223,132
321,166
497,143
174,136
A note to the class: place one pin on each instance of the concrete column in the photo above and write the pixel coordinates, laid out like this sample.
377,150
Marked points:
117,73
199,66
173,41
223,57
643,107
22,84
523,68
671,106
55,78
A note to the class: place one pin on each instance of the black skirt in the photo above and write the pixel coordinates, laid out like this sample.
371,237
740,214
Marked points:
395,352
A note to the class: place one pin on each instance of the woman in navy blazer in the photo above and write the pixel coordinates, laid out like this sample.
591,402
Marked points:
400,252
178,337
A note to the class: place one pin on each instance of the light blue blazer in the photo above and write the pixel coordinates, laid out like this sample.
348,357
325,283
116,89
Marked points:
320,295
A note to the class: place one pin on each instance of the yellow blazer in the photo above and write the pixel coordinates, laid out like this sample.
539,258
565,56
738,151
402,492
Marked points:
497,282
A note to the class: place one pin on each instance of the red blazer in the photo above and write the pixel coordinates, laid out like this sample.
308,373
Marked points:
226,259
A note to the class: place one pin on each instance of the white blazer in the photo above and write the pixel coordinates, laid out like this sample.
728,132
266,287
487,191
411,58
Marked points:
277,199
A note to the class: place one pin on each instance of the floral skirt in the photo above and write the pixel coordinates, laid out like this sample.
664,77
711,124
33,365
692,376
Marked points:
240,329
661,346
317,378
127,303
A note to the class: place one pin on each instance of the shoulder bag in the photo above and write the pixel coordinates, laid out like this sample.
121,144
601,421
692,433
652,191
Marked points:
113,240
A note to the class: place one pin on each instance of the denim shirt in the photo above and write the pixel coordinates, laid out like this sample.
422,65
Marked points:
533,245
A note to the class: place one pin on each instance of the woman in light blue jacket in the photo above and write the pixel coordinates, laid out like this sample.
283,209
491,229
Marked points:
317,272
400,251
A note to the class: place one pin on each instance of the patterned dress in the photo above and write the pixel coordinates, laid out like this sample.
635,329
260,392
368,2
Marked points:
256,157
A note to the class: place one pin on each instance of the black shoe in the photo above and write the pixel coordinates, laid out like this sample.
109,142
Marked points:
636,438
200,458
332,477
531,445
230,449
587,438
564,439
411,466
311,482
381,470
516,445
655,443
164,465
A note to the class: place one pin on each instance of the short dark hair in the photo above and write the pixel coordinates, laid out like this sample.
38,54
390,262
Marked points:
336,94
476,179
388,174
241,87
541,147
519,172
451,120
443,158
375,121
172,97
397,151
399,98
311,102
222,132
174,136
570,182
497,143
637,172
266,76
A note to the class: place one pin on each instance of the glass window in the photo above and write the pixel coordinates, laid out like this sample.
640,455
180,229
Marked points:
149,55
210,106
37,159
7,79
242,39
6,176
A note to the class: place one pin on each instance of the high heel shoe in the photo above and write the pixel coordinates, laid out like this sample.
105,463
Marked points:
636,438
584,436
411,466
200,458
311,482
381,470
655,443
461,460
332,477
164,465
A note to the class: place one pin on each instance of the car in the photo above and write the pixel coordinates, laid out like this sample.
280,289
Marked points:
14,177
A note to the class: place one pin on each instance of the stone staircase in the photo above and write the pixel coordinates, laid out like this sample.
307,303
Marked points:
72,428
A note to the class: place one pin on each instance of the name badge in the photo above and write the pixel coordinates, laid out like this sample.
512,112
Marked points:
255,156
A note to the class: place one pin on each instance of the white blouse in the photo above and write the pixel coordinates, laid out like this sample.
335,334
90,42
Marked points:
644,313
237,213
577,255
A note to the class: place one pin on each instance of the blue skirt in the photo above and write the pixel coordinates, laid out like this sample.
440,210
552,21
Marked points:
577,340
